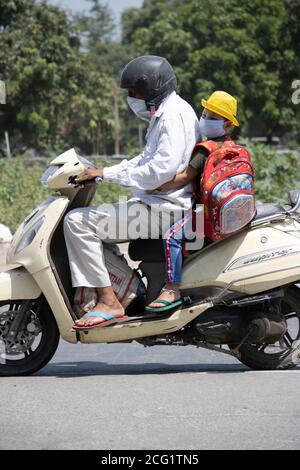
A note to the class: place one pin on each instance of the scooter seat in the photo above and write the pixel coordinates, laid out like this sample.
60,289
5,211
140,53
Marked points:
150,251
267,210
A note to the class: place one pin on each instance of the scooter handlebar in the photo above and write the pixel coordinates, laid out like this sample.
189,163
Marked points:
72,181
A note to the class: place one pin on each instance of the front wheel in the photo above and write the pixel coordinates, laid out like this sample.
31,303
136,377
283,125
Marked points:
285,354
35,341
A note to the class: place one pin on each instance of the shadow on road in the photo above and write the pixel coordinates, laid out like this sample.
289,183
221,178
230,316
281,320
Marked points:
89,368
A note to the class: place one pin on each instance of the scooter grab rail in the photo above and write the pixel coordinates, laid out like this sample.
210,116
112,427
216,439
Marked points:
296,207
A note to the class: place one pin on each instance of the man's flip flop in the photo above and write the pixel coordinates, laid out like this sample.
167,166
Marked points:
109,320
168,305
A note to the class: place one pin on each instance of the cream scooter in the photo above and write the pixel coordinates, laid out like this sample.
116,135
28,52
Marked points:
240,294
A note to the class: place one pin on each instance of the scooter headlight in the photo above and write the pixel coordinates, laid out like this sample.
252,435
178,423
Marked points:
49,174
29,236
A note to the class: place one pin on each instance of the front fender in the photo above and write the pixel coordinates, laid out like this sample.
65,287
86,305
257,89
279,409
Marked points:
17,284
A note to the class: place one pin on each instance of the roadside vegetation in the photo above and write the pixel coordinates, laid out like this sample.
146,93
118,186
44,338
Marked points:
21,190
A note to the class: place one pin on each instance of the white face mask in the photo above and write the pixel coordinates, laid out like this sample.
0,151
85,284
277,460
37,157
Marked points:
212,128
139,108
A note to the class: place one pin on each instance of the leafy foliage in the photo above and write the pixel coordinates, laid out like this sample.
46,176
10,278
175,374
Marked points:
55,95
62,72
275,173
21,190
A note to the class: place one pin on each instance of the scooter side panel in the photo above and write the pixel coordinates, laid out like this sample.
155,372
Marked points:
64,320
35,256
249,262
17,284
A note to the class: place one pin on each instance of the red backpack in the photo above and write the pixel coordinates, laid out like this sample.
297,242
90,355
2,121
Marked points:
226,189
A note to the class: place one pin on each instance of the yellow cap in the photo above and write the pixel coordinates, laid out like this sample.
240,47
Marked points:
224,104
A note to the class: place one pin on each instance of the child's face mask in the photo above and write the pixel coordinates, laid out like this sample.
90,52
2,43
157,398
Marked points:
139,108
212,128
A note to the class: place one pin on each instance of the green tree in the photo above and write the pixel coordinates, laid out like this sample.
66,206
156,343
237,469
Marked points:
91,123
48,79
96,27
108,56
38,61
250,49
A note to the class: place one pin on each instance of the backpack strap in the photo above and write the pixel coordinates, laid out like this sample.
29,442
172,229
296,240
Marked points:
209,145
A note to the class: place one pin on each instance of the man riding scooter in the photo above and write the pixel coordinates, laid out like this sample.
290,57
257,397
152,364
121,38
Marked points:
172,134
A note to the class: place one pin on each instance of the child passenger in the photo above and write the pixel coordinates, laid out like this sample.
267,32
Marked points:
217,120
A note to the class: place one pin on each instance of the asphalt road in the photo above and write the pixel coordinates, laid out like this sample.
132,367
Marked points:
129,397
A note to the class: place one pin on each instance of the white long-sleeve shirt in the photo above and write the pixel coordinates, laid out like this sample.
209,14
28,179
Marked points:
172,134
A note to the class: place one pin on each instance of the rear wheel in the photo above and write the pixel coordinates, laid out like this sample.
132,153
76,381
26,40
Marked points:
35,342
285,354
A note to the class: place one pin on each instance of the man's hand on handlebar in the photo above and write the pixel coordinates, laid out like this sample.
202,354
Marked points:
89,174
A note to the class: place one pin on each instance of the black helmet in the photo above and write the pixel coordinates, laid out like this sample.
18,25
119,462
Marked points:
151,74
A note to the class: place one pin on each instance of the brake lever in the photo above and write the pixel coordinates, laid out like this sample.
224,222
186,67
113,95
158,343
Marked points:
72,182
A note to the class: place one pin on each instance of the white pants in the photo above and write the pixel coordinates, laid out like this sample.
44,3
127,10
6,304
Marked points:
86,229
